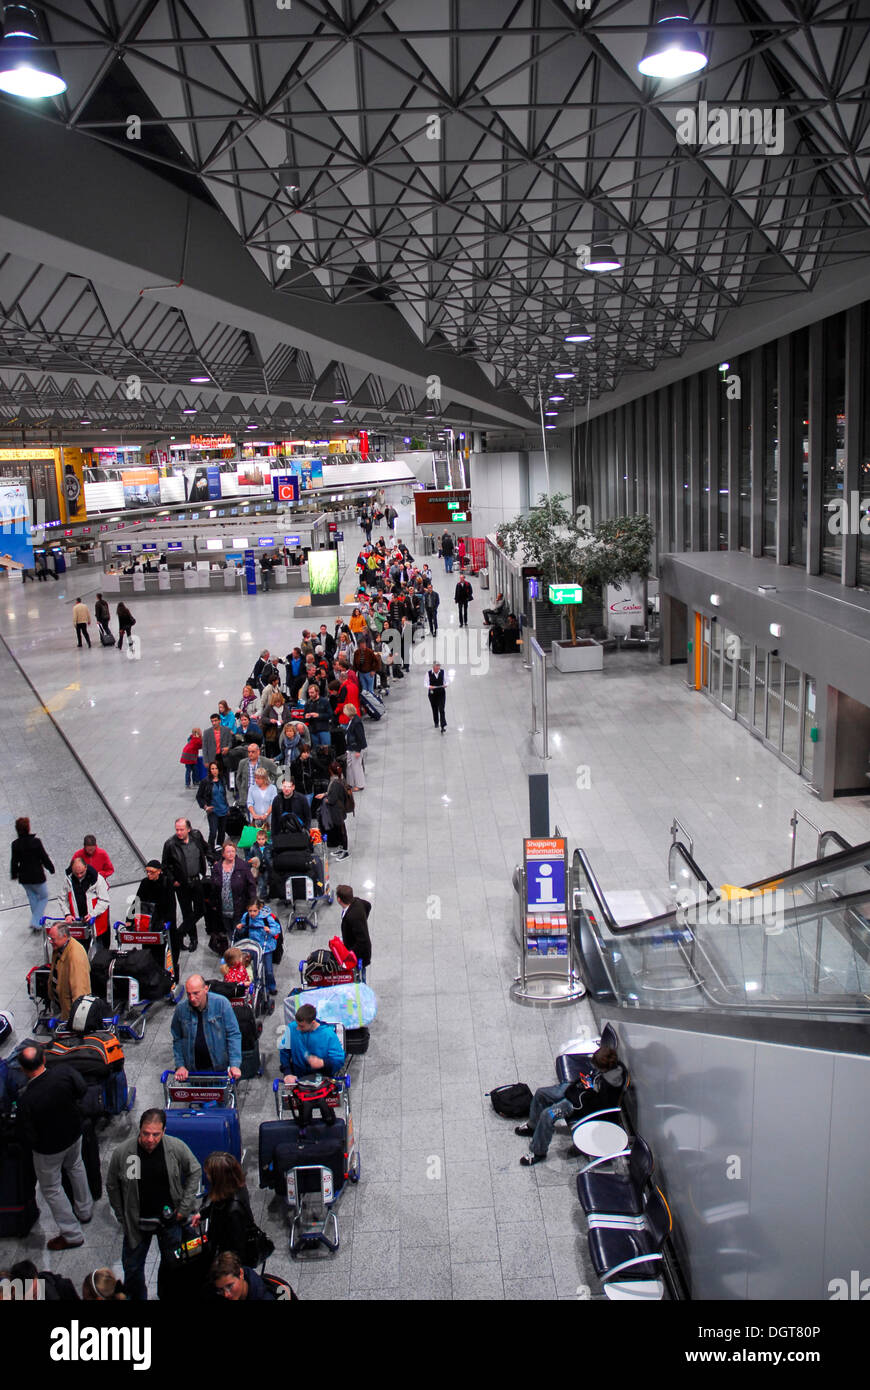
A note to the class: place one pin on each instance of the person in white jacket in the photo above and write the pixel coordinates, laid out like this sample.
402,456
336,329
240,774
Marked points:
87,895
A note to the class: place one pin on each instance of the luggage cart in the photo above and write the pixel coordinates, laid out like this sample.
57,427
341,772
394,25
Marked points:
312,1190
122,991
300,892
202,1112
83,931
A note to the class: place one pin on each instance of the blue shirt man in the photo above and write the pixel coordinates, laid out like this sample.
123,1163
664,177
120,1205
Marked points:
308,1046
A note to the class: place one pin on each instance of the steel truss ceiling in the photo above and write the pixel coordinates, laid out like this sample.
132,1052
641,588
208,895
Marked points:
450,156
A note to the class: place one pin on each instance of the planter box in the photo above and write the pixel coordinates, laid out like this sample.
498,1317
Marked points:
588,655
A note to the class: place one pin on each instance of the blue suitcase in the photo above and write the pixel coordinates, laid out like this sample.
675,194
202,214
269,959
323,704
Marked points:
373,707
207,1131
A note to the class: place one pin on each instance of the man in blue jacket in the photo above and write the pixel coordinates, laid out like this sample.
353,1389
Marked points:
205,1033
308,1047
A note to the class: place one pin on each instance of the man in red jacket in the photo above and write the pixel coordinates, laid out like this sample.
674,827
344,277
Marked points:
94,856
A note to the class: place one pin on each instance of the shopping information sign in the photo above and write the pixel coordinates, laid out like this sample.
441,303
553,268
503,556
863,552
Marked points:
545,876
566,593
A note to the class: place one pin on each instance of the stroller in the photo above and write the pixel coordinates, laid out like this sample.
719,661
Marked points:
255,993
315,1156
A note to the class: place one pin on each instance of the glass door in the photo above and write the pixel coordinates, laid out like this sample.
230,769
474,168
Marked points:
791,717
730,655
760,690
715,685
809,721
744,683
773,720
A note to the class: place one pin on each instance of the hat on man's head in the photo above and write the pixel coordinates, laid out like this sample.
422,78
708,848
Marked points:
153,864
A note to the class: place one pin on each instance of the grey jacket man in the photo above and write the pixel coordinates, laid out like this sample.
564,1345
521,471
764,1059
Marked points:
208,743
122,1186
243,776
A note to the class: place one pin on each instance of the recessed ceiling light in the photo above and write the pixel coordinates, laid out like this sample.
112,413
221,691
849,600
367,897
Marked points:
578,336
189,411
551,412
557,398
564,376
200,378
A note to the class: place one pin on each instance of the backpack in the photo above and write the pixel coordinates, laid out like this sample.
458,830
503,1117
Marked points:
96,1056
512,1102
87,1013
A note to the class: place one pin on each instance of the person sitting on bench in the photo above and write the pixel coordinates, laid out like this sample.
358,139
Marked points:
497,612
599,1086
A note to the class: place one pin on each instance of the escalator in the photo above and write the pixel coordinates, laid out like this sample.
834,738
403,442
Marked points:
743,1014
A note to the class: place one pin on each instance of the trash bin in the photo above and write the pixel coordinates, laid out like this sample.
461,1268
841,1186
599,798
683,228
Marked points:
483,578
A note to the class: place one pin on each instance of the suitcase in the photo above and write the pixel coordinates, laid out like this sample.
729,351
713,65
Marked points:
356,1041
284,1146
251,1064
91,1160
18,1209
100,962
207,1131
290,841
106,639
235,821
373,707
339,742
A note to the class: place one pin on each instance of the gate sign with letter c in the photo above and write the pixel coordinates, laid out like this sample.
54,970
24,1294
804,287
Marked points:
285,488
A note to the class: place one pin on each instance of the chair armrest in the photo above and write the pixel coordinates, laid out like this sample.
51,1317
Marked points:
613,1222
596,1115
587,1167
627,1264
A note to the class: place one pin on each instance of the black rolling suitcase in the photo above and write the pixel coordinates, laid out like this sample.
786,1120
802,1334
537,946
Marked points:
106,639
284,1145
18,1209
91,1160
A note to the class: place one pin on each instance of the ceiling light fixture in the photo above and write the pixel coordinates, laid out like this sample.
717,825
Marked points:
602,258
199,379
24,73
564,376
673,48
557,398
578,335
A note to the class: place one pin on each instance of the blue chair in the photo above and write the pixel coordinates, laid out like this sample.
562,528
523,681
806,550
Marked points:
574,1058
617,1194
624,1254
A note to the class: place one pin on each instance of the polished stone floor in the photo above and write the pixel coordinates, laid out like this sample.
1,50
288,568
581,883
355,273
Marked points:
443,1209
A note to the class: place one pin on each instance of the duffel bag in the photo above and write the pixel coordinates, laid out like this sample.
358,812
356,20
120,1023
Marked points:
290,841
323,961
87,1013
154,982
96,1055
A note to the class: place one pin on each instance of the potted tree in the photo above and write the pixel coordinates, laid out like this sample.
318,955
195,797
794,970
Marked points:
565,552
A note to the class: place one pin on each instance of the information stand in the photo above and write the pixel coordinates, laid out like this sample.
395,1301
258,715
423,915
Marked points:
548,972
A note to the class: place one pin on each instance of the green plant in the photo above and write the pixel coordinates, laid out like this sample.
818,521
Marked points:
550,538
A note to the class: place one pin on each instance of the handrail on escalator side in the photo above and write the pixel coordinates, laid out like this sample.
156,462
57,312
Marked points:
855,854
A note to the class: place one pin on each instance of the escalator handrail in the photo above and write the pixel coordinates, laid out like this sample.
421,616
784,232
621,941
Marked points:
831,835
712,893
816,868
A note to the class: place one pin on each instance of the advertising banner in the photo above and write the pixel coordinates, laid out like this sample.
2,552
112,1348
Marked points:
16,537
323,577
141,487
72,486
625,606
213,477
254,474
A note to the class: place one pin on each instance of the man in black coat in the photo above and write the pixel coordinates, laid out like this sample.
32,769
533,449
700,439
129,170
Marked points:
291,804
355,925
463,594
185,859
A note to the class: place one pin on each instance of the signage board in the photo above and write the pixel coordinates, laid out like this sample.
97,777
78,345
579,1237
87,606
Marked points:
565,593
546,876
